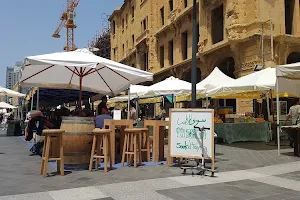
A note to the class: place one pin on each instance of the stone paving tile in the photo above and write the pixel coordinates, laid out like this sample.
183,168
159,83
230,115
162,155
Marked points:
77,193
292,176
18,168
34,196
237,190
107,198
280,182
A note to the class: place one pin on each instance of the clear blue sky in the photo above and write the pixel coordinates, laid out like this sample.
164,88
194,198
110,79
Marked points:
26,27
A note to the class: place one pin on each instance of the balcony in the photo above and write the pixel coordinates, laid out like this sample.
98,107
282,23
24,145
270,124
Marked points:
174,17
142,37
128,54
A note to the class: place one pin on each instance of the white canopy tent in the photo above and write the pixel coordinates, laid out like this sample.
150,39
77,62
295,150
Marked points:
138,90
6,105
81,70
135,91
10,93
170,86
258,81
214,80
288,81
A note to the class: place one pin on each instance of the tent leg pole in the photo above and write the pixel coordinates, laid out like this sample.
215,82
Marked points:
268,106
38,99
278,116
128,104
31,103
206,102
173,101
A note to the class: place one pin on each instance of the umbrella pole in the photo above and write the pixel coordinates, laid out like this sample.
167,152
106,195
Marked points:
80,93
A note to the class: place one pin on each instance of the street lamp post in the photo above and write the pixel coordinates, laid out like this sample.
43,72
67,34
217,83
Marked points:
194,52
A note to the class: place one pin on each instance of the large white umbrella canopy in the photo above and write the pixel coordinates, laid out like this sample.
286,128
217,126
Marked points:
81,70
257,81
214,80
6,105
170,86
10,93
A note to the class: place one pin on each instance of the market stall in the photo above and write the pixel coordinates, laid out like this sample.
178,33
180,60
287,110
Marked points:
288,80
241,127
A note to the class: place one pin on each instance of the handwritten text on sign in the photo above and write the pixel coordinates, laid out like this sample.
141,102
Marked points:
186,138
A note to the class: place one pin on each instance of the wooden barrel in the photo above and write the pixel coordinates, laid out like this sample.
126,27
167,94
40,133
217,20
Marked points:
77,139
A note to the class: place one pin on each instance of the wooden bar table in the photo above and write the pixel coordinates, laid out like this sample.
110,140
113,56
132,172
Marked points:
158,138
296,130
113,124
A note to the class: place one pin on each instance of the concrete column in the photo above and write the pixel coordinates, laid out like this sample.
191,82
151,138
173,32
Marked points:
296,19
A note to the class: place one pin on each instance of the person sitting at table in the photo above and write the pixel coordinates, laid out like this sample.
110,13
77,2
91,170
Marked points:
163,113
294,113
99,121
102,107
87,109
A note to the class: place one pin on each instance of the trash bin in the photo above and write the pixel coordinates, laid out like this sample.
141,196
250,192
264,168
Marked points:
13,128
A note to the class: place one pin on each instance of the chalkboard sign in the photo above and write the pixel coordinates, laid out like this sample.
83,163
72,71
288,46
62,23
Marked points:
188,128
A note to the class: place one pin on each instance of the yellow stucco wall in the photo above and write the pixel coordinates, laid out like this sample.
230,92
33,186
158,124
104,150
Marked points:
243,20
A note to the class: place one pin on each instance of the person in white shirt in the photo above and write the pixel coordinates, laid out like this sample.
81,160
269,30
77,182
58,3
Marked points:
4,120
294,113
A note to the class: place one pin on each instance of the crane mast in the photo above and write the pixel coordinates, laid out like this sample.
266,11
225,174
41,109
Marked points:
67,21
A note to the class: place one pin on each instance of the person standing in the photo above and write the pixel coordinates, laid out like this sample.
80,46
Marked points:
163,113
294,113
5,113
132,111
102,107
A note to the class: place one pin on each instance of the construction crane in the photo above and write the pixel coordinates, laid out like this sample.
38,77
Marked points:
67,20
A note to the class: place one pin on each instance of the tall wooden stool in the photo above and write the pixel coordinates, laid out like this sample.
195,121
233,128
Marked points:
136,146
101,137
57,133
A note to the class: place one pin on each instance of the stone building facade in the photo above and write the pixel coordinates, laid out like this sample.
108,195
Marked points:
234,35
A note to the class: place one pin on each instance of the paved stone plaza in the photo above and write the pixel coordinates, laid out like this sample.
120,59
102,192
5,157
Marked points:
246,171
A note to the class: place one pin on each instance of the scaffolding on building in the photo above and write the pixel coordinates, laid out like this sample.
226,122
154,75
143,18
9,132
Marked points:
101,41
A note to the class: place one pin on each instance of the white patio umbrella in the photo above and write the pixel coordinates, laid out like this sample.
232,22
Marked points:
81,70
170,86
10,93
6,105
